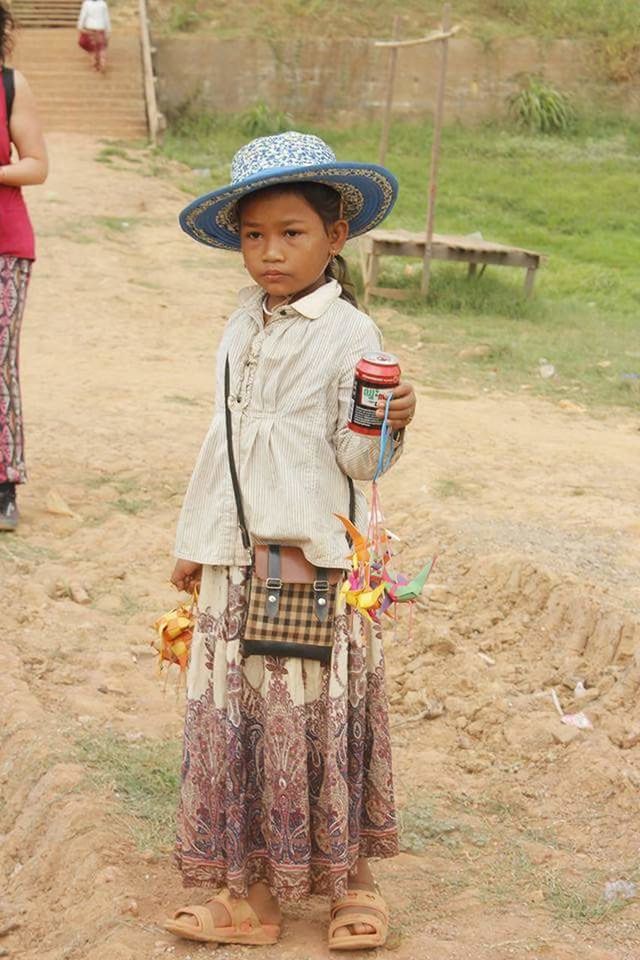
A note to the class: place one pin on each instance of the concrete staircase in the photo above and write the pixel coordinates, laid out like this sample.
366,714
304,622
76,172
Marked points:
71,96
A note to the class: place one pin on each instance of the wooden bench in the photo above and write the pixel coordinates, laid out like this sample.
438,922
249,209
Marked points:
466,249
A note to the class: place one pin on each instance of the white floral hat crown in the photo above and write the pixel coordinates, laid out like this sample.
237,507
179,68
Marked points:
368,191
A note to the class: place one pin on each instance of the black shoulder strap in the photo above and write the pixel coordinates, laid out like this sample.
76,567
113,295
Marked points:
8,82
246,539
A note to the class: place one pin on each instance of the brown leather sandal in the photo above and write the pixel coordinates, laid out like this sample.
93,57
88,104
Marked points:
378,918
245,926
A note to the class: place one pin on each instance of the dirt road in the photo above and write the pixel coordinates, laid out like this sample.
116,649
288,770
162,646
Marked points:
513,821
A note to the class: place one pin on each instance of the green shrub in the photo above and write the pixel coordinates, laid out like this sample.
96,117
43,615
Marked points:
539,108
184,16
261,121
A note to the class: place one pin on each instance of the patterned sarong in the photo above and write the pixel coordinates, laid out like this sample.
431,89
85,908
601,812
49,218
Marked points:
14,279
286,773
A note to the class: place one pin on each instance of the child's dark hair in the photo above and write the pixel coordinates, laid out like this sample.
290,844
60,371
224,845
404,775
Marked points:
7,24
327,203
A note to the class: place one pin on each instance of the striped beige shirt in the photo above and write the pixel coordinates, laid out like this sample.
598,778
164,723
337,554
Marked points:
291,387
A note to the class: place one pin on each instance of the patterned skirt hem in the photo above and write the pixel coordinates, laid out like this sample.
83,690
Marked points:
295,885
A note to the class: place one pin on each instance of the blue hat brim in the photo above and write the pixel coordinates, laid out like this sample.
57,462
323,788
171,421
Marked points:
206,218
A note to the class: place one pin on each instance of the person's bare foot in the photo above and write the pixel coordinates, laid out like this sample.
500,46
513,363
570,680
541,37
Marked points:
259,898
363,880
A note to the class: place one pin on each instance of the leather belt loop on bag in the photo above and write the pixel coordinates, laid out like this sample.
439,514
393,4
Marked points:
273,582
321,596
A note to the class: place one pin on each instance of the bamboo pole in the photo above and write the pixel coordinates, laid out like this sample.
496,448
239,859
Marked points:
435,149
437,35
391,79
154,117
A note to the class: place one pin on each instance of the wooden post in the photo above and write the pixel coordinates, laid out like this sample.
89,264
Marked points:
435,149
391,78
155,120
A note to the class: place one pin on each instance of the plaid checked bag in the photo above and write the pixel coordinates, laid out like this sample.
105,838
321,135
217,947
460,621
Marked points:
296,630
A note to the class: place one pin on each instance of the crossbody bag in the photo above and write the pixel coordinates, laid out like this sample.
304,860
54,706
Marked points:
291,603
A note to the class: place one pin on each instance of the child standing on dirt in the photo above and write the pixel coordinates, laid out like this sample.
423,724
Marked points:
286,778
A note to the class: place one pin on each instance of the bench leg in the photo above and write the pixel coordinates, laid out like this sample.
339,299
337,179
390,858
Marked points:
529,279
473,269
373,269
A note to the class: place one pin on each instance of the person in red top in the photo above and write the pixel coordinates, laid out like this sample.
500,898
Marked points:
20,127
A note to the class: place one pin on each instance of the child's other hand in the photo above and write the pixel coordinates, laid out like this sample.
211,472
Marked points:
401,408
186,575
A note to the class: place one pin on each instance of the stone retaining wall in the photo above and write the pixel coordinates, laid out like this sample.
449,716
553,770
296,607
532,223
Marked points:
344,80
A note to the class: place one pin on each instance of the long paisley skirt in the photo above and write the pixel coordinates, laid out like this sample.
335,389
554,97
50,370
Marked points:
14,280
286,773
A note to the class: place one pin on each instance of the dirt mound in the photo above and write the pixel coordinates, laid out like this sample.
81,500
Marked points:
522,631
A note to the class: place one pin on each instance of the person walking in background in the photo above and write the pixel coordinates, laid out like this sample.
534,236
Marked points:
20,126
94,25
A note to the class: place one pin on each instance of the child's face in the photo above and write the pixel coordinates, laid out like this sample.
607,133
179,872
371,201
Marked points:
285,243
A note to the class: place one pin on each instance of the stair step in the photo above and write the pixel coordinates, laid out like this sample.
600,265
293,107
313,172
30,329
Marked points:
108,132
99,124
136,112
45,5
47,11
78,110
38,22
108,126
62,95
80,70
109,82
77,116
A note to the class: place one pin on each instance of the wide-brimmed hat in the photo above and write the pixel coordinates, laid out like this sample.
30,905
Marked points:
368,191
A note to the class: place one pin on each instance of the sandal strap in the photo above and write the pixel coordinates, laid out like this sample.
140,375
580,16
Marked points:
202,916
242,915
362,898
371,920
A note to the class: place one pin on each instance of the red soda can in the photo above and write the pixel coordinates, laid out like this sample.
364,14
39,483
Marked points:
376,374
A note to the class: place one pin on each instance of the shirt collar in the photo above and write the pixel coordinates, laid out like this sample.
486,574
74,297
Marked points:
312,306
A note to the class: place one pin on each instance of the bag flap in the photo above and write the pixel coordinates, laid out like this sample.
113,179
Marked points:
294,566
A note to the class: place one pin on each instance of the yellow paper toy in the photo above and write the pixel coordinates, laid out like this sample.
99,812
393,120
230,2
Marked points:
174,633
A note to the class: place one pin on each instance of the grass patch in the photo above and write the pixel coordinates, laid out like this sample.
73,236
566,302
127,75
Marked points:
445,488
109,152
145,284
579,903
130,507
487,834
115,224
144,777
14,548
122,484
129,605
182,400
76,231
420,825
573,198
